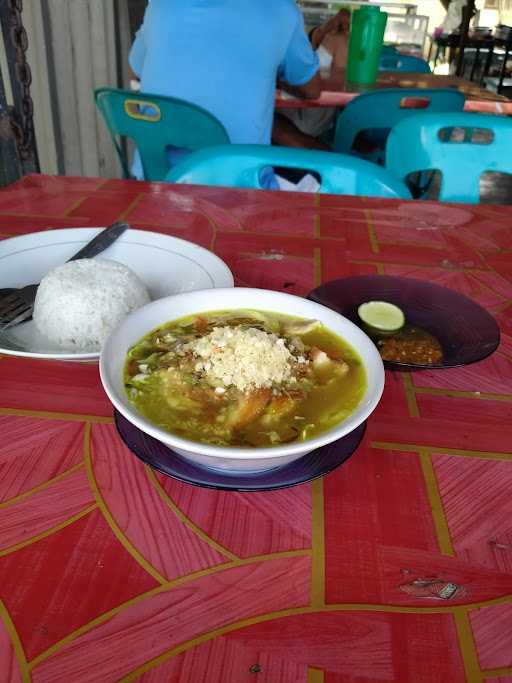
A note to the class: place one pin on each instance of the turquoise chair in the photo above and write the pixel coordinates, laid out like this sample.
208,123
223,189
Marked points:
398,62
457,145
156,123
389,50
373,114
243,166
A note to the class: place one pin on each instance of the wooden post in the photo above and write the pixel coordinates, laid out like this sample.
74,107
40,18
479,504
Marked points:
10,167
467,13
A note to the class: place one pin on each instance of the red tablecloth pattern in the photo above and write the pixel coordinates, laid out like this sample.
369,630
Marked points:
395,567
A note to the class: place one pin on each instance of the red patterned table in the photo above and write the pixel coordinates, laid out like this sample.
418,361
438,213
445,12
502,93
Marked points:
110,572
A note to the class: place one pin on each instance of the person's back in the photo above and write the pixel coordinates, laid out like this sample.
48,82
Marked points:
224,55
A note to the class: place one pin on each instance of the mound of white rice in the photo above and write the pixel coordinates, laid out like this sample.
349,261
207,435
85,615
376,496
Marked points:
79,303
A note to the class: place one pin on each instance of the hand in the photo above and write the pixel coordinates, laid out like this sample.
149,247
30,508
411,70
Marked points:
339,23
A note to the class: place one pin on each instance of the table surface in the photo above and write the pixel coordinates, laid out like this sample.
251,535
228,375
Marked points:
110,572
338,92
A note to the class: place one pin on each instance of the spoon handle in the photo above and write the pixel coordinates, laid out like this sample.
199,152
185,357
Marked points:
102,240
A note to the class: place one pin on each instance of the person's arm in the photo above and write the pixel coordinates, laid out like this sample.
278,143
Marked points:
340,52
138,50
298,72
333,35
339,23
337,45
307,91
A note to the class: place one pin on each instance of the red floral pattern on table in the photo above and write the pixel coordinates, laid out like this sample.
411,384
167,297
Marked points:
395,567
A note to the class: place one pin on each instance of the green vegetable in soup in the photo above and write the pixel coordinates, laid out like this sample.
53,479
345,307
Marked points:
244,378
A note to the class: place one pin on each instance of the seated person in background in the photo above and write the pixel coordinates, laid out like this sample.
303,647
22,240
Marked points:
225,55
301,127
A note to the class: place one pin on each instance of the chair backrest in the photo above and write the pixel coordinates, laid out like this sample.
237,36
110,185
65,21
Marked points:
242,166
383,109
398,62
389,49
462,146
154,123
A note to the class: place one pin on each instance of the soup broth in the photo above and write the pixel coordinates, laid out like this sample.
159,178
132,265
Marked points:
244,378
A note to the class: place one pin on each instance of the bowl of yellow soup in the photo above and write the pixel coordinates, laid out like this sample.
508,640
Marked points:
241,379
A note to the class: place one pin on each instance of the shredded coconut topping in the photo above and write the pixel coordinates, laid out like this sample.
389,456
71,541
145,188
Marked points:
245,358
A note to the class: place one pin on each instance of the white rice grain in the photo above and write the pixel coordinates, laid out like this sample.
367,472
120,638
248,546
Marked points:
79,303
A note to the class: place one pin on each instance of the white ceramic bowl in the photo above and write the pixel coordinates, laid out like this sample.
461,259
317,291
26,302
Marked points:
145,319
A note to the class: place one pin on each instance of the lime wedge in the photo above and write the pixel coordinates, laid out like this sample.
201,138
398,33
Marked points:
382,315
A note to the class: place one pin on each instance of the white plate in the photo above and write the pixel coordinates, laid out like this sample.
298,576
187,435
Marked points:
166,265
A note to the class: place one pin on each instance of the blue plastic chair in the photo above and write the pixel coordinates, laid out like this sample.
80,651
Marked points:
398,62
156,123
375,113
242,166
447,143
389,50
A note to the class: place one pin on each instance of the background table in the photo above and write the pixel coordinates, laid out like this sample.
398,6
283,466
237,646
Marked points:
111,572
338,92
